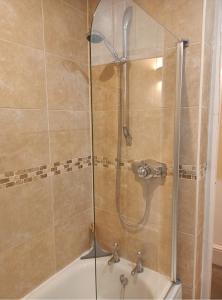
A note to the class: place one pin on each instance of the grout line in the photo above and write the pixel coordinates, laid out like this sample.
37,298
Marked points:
69,110
46,82
21,45
18,108
49,141
63,2
77,61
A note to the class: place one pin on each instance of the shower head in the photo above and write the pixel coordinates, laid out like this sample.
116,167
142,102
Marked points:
127,17
127,20
97,37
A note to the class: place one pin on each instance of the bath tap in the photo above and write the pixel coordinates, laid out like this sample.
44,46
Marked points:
139,267
115,256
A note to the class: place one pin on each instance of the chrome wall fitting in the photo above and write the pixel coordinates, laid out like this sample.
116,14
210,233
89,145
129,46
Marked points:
115,256
149,168
139,266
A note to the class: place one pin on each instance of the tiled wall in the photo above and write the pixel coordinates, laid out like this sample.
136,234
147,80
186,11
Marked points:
151,118
191,20
45,173
151,125
187,20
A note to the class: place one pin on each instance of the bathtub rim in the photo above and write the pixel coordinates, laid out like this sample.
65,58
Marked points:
164,294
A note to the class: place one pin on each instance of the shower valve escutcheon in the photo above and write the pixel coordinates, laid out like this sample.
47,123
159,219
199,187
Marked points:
148,169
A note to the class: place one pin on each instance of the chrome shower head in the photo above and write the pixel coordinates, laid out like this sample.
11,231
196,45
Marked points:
127,20
97,37
127,17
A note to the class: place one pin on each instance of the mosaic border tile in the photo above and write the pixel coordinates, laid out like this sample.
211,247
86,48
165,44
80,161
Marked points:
13,178
112,163
192,172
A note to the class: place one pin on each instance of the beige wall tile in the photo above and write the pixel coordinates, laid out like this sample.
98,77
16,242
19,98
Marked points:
185,258
145,84
201,205
105,87
77,4
22,76
169,77
204,135
69,144
187,206
69,134
191,82
67,84
72,238
207,73
148,247
210,21
26,266
27,246
145,129
198,267
92,4
72,194
109,230
105,126
68,120
189,135
187,293
105,188
24,139
25,211
65,31
22,121
22,151
21,22
182,17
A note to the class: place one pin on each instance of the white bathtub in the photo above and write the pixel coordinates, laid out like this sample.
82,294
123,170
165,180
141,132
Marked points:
77,281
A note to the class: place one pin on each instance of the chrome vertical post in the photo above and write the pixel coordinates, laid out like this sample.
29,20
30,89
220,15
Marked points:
179,83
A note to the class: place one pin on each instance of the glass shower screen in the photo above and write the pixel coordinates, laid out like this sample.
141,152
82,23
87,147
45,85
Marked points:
134,101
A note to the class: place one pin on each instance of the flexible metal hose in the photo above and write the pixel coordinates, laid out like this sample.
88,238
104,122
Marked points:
128,225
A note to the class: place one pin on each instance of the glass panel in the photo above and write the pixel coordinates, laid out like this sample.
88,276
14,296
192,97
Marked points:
133,68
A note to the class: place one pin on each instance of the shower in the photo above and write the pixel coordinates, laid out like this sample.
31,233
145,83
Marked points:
97,37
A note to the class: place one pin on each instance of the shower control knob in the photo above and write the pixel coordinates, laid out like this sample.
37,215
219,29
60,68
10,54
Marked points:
144,171
148,169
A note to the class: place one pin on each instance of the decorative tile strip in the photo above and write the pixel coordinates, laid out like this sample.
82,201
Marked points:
12,178
185,171
112,163
191,172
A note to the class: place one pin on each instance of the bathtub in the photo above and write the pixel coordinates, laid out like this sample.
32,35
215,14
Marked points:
77,281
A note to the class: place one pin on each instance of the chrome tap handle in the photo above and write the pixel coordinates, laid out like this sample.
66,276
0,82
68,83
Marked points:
139,266
139,254
115,252
115,248
115,256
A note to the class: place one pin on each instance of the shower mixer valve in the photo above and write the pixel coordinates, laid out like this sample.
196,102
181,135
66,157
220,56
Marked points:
148,169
